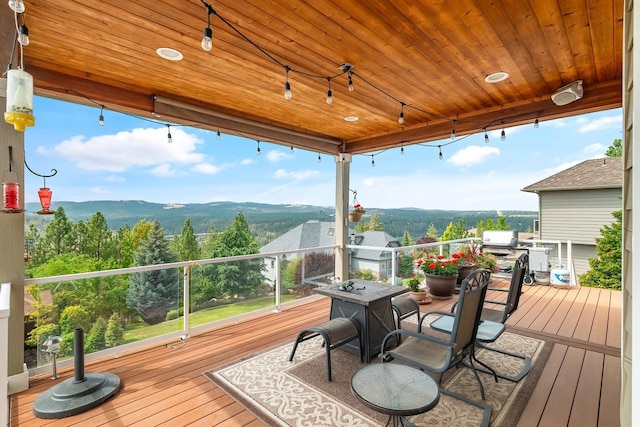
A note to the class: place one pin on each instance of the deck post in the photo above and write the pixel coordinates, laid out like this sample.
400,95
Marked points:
343,163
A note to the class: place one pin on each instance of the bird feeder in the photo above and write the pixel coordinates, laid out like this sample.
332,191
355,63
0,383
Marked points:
10,188
19,111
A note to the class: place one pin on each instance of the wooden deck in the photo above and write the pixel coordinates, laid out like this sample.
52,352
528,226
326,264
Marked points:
580,385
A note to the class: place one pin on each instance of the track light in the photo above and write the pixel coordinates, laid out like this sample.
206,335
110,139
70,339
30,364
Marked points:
401,116
207,42
23,38
169,139
329,93
16,5
101,118
440,156
453,129
287,86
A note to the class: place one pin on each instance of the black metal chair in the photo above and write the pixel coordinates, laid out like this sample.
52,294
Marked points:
438,355
493,320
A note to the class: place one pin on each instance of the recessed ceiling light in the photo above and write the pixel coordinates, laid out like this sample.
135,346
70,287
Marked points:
351,118
496,77
168,53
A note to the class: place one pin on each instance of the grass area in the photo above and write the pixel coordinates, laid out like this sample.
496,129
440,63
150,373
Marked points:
140,331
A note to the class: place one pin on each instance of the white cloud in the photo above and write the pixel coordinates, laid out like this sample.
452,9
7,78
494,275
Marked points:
129,149
98,190
206,168
595,148
276,156
297,175
472,155
114,178
164,170
602,123
247,161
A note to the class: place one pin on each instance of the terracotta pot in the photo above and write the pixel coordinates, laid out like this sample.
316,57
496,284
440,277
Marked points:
464,271
441,286
355,216
418,296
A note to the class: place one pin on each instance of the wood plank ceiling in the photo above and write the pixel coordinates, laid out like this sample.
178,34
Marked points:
432,56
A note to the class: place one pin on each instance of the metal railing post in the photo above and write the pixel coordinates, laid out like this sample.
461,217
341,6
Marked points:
278,283
5,307
186,301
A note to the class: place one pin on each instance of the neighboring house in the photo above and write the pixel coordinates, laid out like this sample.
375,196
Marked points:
316,233
576,203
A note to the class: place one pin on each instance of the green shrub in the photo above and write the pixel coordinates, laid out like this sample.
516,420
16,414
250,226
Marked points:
172,315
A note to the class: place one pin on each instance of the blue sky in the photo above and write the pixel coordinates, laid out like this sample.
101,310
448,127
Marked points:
130,159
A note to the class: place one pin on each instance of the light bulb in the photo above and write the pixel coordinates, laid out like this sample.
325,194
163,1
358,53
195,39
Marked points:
207,43
503,135
453,130
101,120
536,124
23,38
319,158
169,139
16,5
291,149
350,83
258,150
401,117
440,156
218,135
402,151
329,97
373,163
486,137
287,91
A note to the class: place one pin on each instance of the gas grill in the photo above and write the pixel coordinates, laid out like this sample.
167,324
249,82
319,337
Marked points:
500,242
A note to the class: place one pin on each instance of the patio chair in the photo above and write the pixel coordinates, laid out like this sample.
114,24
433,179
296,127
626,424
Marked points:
493,320
438,355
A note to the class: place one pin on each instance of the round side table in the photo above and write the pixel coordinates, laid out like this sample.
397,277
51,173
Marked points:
394,389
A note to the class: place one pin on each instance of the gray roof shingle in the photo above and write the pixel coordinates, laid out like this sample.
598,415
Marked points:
605,172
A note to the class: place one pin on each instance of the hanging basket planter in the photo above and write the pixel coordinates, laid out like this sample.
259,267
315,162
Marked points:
355,216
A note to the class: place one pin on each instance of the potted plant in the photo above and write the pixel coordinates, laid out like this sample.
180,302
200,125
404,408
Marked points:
440,274
488,261
415,291
356,214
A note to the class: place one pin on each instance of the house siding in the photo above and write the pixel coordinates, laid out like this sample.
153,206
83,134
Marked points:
577,215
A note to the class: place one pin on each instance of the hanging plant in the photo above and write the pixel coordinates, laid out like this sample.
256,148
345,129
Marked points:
356,213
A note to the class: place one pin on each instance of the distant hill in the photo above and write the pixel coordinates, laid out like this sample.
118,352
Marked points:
266,219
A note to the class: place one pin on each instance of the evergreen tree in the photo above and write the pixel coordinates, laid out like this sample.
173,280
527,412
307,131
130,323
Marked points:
185,244
455,231
235,277
153,293
96,339
407,240
606,269
374,224
432,231
114,334
98,240
60,236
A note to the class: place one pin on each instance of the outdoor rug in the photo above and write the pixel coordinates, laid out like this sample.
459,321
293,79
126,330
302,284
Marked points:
297,393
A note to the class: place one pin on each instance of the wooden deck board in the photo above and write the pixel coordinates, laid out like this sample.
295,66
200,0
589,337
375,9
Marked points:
166,386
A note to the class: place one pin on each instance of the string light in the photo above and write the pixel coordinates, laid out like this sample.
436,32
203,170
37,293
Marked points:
169,139
350,81
291,149
218,135
401,117
536,123
486,136
101,118
23,38
329,93
401,150
373,163
440,156
319,158
207,42
503,134
258,150
287,86
453,129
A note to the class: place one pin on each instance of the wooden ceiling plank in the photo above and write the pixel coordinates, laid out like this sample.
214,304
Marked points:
577,25
602,27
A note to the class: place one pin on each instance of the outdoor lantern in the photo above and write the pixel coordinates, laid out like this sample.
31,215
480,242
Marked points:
19,111
45,200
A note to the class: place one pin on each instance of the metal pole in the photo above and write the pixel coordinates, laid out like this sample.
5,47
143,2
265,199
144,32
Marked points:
78,355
